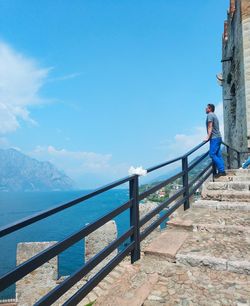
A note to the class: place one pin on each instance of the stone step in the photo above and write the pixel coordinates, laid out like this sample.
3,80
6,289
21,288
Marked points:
241,178
222,205
238,172
237,186
233,178
167,244
226,195
132,288
184,285
211,220
217,251
215,263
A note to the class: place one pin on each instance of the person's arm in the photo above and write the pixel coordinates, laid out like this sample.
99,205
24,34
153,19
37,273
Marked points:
209,130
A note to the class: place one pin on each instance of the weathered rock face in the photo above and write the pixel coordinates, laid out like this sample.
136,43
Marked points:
145,209
19,172
97,241
236,75
39,282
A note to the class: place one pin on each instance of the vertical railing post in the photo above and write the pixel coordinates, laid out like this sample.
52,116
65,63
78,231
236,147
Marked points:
228,157
185,181
238,159
214,170
134,217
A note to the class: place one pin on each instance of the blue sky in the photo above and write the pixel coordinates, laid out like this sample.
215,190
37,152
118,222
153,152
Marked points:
98,86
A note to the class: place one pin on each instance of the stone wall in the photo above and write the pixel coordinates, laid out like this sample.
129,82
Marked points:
245,9
236,85
145,209
97,241
40,281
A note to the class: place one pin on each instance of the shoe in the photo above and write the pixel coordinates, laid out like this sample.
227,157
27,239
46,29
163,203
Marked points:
219,174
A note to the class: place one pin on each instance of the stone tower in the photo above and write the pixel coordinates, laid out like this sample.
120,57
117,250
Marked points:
236,75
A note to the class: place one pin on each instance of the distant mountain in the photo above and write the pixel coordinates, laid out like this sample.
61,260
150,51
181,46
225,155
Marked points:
19,172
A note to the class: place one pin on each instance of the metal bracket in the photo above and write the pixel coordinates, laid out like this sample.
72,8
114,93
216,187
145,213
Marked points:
227,59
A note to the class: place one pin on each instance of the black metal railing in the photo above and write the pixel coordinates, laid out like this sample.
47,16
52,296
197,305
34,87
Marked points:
134,234
233,154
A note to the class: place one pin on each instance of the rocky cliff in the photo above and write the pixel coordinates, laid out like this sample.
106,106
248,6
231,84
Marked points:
19,172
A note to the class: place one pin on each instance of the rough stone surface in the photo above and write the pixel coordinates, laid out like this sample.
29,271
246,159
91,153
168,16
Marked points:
210,265
39,282
132,289
236,84
227,191
145,209
198,219
167,244
97,241
225,205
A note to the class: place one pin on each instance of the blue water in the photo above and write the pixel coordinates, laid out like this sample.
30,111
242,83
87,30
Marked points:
15,206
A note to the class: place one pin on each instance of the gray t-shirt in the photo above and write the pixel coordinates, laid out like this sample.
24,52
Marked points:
211,117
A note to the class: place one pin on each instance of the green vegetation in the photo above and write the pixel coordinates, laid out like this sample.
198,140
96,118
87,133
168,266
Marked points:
90,304
164,193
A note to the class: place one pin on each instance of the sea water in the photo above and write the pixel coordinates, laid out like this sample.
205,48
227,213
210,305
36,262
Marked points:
16,206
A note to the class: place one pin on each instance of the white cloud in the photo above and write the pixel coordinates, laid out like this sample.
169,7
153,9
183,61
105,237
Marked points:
20,81
81,165
65,77
75,161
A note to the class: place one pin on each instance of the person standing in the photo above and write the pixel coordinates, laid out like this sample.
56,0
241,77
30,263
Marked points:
214,136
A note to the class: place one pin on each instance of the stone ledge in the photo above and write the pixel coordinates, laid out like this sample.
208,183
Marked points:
226,195
211,228
235,266
198,261
225,205
167,244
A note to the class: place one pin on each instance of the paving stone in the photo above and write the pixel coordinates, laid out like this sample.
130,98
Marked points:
167,244
235,247
209,265
222,205
226,195
211,220
238,186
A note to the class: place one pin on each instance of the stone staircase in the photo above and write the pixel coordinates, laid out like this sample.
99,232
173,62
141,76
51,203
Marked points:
203,258
220,222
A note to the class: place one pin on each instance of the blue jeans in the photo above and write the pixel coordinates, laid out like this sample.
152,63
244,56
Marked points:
215,153
246,163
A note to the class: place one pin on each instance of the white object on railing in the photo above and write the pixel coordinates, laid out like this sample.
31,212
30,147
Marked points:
139,171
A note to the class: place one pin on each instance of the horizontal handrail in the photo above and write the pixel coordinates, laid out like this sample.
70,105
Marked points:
160,207
44,256
195,149
233,149
49,212
59,290
180,197
200,182
200,174
164,164
176,159
156,223
194,164
81,293
146,193
46,213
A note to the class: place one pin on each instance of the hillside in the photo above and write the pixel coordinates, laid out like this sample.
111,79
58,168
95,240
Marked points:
19,172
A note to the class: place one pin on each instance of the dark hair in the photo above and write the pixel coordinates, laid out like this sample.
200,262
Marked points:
212,107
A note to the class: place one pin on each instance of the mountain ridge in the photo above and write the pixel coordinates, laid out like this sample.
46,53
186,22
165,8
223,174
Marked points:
19,172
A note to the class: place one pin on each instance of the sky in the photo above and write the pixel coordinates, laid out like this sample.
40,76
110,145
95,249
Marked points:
98,86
